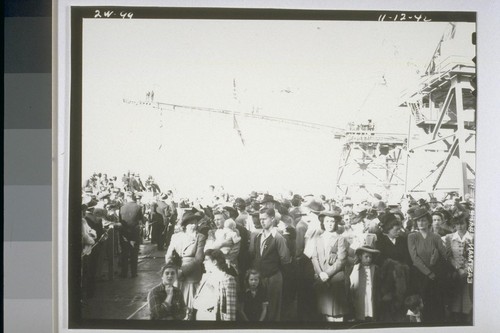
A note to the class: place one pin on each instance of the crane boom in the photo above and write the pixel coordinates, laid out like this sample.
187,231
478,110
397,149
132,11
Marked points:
338,132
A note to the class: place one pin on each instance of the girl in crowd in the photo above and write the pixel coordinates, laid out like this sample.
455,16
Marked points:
394,261
189,245
329,260
253,302
428,254
216,297
166,301
365,285
458,245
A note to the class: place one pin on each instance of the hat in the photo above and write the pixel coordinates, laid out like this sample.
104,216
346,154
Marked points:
315,206
333,214
366,248
381,206
163,196
267,198
189,216
253,195
239,202
420,212
297,197
231,211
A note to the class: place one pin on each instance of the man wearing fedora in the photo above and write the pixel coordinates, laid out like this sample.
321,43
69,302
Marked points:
271,257
131,219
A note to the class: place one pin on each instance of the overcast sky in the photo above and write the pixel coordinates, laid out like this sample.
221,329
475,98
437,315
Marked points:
318,71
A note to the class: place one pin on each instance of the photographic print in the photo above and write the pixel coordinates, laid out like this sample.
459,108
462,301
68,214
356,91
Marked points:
271,168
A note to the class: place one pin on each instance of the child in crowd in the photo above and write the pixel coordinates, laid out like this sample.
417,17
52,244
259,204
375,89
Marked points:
166,301
229,232
364,284
414,305
253,301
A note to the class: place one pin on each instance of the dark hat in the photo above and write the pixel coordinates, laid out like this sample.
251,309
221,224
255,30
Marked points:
286,204
334,214
268,198
189,216
232,212
420,212
254,194
239,202
163,196
381,206
367,248
297,197
315,206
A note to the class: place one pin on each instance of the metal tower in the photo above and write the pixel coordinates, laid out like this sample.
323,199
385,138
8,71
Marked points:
372,162
443,109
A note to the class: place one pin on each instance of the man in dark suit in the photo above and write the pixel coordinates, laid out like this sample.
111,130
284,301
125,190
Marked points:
271,257
131,218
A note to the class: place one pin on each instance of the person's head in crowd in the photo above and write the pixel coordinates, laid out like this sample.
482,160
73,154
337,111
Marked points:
366,255
322,198
252,279
240,204
331,222
347,218
314,206
219,217
438,222
399,216
267,218
268,201
434,203
230,224
285,205
461,223
296,200
189,222
423,219
169,273
347,205
215,261
233,213
380,207
256,219
414,303
282,209
390,225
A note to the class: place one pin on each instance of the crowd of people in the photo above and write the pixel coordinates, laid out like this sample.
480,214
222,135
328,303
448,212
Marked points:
292,257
